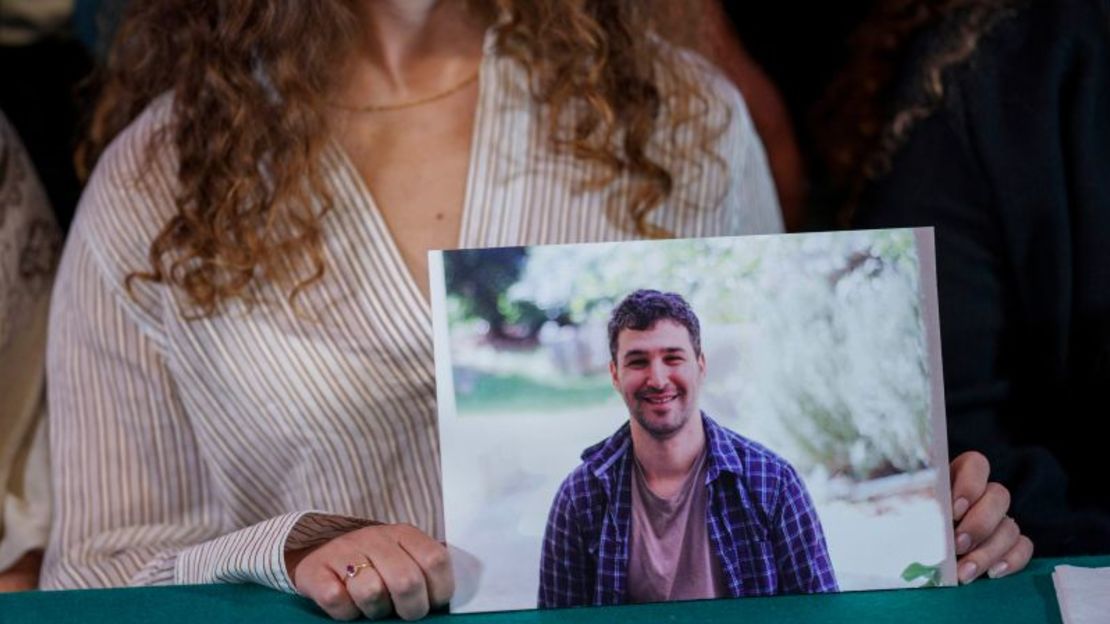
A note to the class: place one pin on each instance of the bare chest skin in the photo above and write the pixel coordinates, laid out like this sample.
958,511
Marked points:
414,162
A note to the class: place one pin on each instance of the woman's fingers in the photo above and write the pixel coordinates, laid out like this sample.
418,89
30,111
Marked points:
319,581
983,518
402,576
970,473
376,571
434,562
988,541
989,552
1017,558
368,590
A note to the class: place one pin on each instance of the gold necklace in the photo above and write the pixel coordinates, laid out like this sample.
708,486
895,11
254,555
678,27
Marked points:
383,108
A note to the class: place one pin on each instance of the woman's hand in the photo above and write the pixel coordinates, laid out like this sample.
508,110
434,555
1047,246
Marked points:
987,540
375,571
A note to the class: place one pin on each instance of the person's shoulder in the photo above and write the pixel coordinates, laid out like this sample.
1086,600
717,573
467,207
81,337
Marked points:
580,498
584,487
746,449
713,93
756,462
755,454
579,483
129,199
131,193
1058,39
682,63
136,175
1026,41
603,456
712,150
1068,19
1031,58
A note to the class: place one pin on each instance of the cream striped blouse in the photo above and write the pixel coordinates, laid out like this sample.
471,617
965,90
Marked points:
192,451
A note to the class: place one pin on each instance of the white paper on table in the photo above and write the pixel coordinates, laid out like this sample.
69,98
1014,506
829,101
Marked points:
1083,594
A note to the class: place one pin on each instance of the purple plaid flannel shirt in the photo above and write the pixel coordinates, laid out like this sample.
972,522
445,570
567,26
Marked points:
761,522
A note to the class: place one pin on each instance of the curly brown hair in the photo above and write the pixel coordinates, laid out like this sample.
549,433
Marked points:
866,114
598,63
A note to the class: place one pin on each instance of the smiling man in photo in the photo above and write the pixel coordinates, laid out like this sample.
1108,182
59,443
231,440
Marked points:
673,506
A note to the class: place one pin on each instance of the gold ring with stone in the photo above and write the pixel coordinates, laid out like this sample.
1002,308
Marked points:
354,568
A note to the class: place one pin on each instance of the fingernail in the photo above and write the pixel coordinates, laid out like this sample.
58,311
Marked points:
963,543
998,570
959,508
967,572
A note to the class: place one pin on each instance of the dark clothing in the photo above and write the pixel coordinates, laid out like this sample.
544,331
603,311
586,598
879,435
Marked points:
39,97
1014,172
762,525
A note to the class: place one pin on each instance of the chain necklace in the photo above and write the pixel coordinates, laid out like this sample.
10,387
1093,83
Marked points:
384,108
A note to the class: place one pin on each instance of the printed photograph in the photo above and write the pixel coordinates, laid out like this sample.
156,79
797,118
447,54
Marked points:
688,419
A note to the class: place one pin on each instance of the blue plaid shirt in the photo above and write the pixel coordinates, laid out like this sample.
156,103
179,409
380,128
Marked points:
761,523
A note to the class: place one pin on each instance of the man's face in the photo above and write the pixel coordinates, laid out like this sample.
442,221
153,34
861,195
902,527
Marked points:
658,375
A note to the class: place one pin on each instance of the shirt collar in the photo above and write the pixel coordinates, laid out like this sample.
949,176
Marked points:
722,451
606,456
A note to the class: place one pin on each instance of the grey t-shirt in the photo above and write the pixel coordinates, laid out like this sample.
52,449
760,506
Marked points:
670,557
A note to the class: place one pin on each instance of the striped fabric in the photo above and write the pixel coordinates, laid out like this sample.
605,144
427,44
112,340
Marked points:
761,523
190,451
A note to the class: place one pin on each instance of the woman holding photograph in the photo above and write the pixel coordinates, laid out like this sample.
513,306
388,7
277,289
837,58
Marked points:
241,334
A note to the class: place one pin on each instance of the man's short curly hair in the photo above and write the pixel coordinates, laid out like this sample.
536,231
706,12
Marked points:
642,309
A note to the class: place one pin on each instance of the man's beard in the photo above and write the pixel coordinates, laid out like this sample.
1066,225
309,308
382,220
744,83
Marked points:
661,431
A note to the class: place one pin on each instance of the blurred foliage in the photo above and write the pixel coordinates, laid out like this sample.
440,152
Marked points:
479,278
832,361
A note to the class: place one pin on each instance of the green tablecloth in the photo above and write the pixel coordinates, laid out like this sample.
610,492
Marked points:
1028,596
